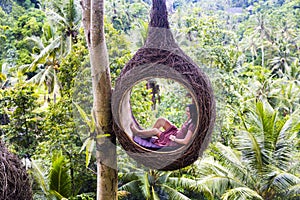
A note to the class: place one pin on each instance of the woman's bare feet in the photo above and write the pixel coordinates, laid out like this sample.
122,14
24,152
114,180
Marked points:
144,133
133,128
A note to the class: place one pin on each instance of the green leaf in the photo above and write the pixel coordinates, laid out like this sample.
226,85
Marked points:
154,194
55,193
240,193
102,135
174,194
39,175
86,119
145,187
45,53
89,150
60,180
88,145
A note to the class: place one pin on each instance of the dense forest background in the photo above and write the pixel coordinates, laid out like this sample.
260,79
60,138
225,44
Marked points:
250,49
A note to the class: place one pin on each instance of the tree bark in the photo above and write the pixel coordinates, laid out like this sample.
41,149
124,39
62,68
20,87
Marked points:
93,22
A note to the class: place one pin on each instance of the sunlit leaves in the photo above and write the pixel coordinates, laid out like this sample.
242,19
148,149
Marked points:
241,193
24,128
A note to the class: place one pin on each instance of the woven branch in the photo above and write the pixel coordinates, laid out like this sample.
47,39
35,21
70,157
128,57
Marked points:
159,14
14,181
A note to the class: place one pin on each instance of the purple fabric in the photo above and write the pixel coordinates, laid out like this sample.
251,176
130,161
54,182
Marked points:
146,142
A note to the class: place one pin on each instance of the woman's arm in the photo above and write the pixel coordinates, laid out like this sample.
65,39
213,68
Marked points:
184,141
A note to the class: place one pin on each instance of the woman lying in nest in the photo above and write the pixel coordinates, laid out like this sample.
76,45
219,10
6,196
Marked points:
170,135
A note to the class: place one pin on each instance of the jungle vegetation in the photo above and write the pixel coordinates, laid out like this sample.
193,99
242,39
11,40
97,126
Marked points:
250,49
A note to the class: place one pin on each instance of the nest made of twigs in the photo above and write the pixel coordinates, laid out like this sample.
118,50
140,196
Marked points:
161,57
14,180
149,63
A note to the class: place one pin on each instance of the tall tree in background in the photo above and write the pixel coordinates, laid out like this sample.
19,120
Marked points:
93,22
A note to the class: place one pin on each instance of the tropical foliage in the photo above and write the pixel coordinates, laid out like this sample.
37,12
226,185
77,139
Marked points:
249,49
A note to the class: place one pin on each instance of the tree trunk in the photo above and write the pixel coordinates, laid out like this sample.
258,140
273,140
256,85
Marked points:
262,53
93,22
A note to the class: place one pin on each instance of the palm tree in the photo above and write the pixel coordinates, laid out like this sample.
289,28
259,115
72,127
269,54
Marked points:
136,182
46,64
286,94
282,58
59,34
151,184
66,15
250,44
261,33
262,163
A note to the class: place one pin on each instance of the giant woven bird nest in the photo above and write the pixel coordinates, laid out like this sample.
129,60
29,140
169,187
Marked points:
161,57
14,181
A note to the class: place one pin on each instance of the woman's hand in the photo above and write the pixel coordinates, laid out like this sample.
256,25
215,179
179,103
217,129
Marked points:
184,141
172,138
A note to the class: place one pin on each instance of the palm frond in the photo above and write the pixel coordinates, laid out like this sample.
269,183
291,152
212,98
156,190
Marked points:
293,125
48,32
56,18
210,166
46,76
288,131
216,177
240,193
59,176
145,186
131,187
280,181
36,40
192,185
233,162
45,53
283,147
174,194
163,176
218,184
293,191
40,177
73,12
229,154
251,150
36,79
267,116
127,177
154,195
23,68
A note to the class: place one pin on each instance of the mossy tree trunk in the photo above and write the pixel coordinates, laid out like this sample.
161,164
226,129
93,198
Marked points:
93,22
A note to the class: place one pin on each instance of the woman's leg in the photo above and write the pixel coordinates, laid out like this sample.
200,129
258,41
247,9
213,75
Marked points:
162,123
155,131
145,133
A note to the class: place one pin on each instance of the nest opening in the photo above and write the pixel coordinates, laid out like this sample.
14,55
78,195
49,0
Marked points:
127,116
